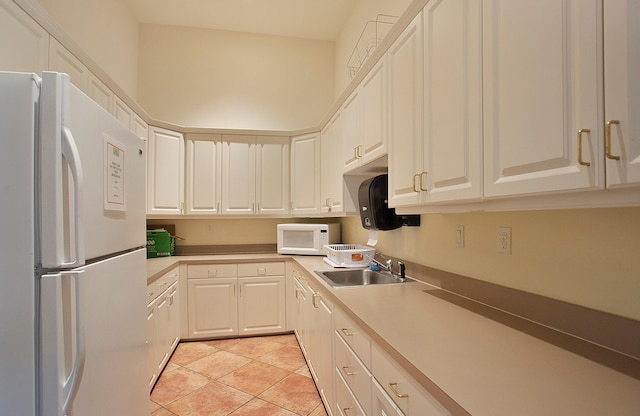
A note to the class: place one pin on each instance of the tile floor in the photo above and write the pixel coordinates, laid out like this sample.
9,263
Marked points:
264,376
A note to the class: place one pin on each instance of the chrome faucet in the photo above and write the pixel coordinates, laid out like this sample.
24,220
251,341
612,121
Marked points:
386,266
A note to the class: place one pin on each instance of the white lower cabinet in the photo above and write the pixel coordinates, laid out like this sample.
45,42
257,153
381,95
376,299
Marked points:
403,390
382,403
314,328
235,299
163,322
354,373
346,403
261,302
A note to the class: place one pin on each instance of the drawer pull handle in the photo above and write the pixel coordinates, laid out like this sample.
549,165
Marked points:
162,283
346,332
149,294
346,411
262,271
392,387
346,371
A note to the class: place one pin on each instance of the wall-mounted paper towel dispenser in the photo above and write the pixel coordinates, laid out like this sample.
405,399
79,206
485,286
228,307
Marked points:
375,213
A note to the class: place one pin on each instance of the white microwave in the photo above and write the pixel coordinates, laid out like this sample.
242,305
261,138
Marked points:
307,239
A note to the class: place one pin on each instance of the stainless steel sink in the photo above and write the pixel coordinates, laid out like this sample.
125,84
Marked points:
358,277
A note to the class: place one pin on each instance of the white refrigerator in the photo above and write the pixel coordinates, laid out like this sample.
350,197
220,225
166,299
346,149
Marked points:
73,294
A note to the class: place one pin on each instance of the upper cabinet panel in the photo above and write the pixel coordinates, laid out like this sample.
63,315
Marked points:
542,85
622,92
453,101
24,45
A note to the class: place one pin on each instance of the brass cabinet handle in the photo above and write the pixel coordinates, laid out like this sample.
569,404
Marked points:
346,371
392,387
423,174
607,139
420,180
580,161
359,151
346,411
314,300
417,175
346,332
355,152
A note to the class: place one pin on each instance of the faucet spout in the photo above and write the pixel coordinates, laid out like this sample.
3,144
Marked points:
386,267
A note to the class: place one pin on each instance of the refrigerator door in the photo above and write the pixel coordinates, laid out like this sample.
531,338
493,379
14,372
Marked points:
18,98
94,351
92,178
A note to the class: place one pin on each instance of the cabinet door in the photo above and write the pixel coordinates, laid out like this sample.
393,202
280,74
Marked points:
24,45
165,172
542,85
61,60
331,184
453,100
161,337
261,305
239,174
140,127
404,60
320,344
305,174
203,174
272,175
173,318
213,307
124,114
100,93
622,92
351,146
152,345
374,113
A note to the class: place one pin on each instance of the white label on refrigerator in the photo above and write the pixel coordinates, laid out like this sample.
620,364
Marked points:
114,175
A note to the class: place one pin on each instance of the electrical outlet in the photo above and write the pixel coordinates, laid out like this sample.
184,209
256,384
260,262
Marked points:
209,227
504,240
459,236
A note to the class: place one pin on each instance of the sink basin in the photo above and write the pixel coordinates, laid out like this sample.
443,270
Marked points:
357,277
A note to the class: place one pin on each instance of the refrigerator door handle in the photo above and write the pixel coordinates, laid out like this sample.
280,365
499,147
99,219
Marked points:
56,145
58,389
72,383
72,155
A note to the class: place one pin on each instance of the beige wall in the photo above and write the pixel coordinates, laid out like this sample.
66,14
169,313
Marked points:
221,79
589,257
363,11
106,31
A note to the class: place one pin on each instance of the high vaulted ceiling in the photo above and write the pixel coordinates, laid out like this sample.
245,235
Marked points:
307,19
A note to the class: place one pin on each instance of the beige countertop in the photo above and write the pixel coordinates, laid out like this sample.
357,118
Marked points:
486,367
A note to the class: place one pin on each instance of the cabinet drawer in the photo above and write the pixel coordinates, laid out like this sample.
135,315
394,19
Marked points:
203,271
354,373
261,269
346,403
155,288
353,336
410,397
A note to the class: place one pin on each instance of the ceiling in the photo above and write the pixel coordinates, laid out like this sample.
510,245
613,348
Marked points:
307,19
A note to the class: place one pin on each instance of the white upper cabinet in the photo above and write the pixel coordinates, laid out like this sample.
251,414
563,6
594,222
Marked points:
405,62
61,60
272,175
542,97
622,92
452,158
24,45
203,165
255,175
239,174
165,172
101,94
351,114
365,119
374,114
331,183
305,174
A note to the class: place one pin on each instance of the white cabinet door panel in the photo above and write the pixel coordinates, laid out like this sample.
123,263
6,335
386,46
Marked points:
542,84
